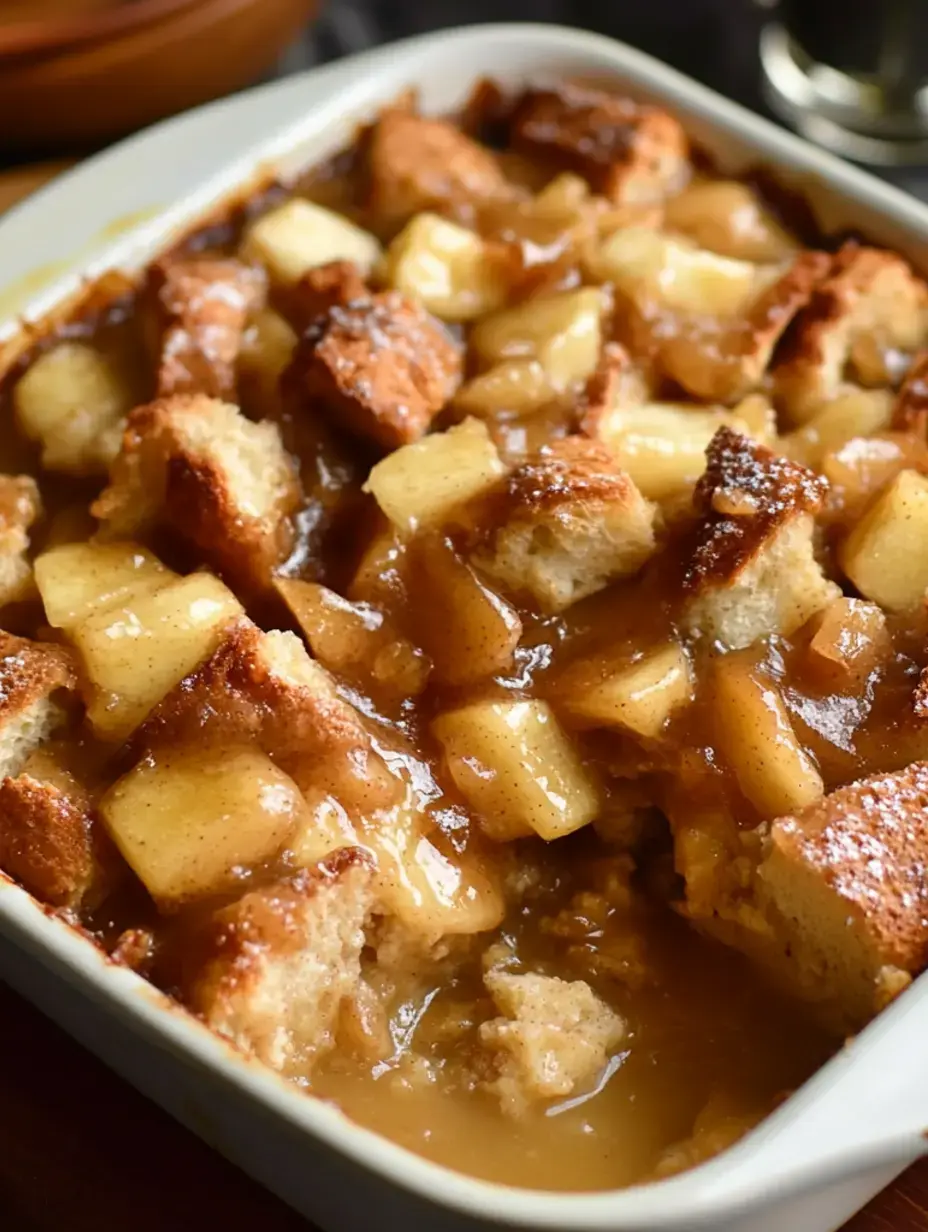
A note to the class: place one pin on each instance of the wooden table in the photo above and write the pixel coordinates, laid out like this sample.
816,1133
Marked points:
80,1151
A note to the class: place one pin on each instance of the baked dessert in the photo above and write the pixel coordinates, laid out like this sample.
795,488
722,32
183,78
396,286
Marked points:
464,634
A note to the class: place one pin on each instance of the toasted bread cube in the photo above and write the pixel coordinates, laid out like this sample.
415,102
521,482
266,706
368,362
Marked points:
870,298
562,332
850,641
729,217
845,879
51,845
200,307
639,697
380,368
78,580
753,570
319,290
299,235
515,387
421,484
632,153
272,971
451,271
910,410
553,1037
73,401
20,507
35,681
468,631
191,823
134,652
651,267
416,164
886,554
756,738
218,480
264,687
517,769
355,638
572,522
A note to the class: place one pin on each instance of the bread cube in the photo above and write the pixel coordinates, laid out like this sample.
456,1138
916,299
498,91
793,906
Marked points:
37,682
78,580
414,163
652,267
264,688
633,153
639,697
380,368
199,309
355,639
191,824
333,285
134,652
468,631
553,1037
299,234
73,400
219,481
562,332
20,507
514,387
569,522
843,879
730,218
752,571
886,553
870,297
517,769
420,485
272,971
756,739
52,846
451,271
910,411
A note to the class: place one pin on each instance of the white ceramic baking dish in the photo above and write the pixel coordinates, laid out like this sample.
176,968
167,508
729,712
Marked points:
858,1122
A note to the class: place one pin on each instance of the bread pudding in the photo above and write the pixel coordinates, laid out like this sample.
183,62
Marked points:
464,624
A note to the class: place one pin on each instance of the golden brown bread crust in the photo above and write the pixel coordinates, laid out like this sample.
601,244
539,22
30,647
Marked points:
381,368
910,412
201,307
20,507
323,288
746,494
30,672
565,472
416,164
920,695
629,152
48,843
242,693
868,842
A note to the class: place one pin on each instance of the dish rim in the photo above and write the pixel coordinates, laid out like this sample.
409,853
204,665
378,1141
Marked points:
733,1183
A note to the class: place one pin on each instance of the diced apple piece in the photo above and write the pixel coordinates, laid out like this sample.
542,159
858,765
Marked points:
447,268
640,697
468,631
562,332
267,348
135,652
650,266
757,740
518,770
858,413
729,217
886,554
851,639
514,387
72,400
352,638
300,235
191,824
420,484
78,580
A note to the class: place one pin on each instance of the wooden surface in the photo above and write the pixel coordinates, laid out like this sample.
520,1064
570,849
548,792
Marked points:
80,1151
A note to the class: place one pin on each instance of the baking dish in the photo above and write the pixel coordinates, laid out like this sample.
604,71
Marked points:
824,1152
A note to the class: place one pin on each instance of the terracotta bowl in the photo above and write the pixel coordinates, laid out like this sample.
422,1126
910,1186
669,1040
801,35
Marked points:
86,93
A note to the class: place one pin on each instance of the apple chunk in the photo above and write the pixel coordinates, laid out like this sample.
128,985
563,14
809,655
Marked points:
639,696
79,579
191,824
